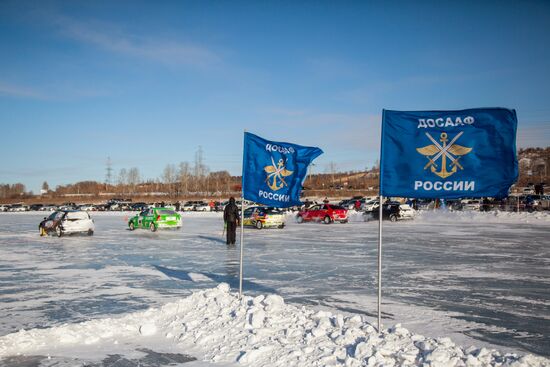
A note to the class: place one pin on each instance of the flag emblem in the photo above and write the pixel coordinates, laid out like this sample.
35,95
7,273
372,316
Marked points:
442,151
275,175
273,172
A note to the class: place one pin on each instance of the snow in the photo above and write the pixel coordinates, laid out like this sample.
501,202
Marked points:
261,331
459,279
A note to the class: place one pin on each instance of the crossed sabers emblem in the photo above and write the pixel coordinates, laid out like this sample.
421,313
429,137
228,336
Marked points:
450,150
276,173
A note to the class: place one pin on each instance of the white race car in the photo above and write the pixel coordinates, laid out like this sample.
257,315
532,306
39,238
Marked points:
66,222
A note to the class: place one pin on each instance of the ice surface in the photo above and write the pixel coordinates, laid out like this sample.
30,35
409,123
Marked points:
479,278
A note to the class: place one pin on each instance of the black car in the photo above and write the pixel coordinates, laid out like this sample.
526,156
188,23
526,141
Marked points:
389,211
139,207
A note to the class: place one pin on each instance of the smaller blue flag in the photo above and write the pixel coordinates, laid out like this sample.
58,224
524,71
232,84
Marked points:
448,154
273,172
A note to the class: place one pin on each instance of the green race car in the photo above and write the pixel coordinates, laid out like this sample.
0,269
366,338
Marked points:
155,218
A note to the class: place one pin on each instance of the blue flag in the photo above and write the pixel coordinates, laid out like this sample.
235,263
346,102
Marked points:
273,172
448,154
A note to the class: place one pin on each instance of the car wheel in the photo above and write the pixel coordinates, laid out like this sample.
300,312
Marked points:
131,226
259,225
281,226
326,220
299,219
344,221
152,227
90,232
393,218
58,231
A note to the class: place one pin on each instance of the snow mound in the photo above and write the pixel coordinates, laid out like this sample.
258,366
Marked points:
263,331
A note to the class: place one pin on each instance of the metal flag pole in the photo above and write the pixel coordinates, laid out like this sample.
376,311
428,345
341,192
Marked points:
380,263
242,249
242,227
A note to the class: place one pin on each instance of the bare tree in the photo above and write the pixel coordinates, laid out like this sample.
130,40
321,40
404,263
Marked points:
12,191
133,178
184,173
219,180
45,186
169,177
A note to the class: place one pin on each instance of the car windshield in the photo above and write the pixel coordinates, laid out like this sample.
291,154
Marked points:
56,215
166,212
336,207
272,211
77,215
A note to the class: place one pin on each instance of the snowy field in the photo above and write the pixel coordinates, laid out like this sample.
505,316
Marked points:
478,278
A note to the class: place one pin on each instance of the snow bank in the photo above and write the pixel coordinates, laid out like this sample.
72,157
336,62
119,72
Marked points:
493,216
261,331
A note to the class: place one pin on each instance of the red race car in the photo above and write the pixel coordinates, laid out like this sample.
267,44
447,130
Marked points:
327,213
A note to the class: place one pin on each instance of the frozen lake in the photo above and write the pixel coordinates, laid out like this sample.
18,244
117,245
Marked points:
479,278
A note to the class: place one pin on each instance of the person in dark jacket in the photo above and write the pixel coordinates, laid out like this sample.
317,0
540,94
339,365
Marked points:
231,219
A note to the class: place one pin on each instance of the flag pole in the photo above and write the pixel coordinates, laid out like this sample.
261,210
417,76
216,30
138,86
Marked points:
242,229
380,218
380,213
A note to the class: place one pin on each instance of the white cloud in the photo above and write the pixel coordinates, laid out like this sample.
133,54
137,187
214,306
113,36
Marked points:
14,90
53,91
111,38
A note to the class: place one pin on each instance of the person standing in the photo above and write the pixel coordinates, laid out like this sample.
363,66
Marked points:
231,219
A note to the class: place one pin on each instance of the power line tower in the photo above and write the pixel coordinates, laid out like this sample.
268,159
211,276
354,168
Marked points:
109,171
199,164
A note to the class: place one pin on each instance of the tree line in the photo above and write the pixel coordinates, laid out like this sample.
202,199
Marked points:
11,191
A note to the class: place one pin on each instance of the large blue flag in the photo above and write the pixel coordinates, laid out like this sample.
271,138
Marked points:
448,154
273,172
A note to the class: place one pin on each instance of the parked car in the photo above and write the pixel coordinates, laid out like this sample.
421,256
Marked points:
188,206
48,208
406,211
18,208
155,218
35,207
471,204
139,207
328,213
392,211
201,206
4,207
263,217
67,222
371,205
347,203
218,206
86,207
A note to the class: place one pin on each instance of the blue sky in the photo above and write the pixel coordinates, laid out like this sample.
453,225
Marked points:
146,83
